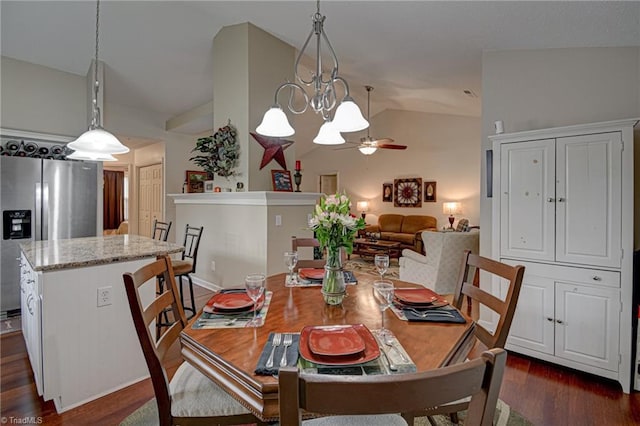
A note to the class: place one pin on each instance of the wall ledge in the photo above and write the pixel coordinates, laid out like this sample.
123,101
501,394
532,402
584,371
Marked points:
249,198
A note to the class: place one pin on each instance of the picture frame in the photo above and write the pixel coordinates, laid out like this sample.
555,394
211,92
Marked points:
430,191
208,186
195,180
387,192
281,180
407,192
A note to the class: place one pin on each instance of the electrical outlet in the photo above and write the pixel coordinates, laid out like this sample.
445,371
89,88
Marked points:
278,220
213,266
104,296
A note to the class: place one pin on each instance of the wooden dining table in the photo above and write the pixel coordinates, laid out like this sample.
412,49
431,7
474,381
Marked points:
229,356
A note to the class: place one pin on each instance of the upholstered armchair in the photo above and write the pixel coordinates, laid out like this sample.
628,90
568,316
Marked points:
439,269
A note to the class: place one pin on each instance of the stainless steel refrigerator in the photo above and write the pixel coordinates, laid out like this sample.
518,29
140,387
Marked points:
42,199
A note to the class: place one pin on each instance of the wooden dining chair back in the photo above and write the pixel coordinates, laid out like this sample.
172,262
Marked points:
297,244
472,265
160,230
379,396
187,265
190,396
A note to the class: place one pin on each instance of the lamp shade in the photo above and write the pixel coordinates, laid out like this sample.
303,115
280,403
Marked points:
362,206
91,156
275,124
367,150
348,117
98,141
328,135
452,208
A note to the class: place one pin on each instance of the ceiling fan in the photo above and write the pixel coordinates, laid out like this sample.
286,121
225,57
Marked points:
369,145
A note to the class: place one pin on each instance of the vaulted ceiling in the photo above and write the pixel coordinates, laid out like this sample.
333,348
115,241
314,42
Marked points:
418,55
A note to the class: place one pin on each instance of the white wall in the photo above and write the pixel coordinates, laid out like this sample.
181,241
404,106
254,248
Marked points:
41,99
534,89
442,148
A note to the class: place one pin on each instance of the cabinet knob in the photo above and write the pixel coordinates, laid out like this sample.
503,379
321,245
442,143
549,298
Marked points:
559,321
596,278
551,200
561,200
549,319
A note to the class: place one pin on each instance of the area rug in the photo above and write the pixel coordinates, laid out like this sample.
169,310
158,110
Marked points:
365,265
147,415
10,325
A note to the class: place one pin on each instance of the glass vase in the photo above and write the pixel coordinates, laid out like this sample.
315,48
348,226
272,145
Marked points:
333,285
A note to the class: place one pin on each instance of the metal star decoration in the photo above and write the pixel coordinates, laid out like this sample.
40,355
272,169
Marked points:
273,149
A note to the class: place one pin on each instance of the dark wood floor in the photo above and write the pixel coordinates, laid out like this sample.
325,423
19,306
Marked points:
543,393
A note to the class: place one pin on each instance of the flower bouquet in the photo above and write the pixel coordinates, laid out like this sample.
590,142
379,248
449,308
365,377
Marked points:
335,228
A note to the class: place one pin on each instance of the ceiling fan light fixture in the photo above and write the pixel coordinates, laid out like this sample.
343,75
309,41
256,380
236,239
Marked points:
275,124
328,135
97,140
367,150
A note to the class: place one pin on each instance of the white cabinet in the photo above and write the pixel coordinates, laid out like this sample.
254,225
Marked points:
572,316
564,209
31,308
561,199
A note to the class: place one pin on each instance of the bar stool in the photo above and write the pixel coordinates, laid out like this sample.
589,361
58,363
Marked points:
160,230
184,267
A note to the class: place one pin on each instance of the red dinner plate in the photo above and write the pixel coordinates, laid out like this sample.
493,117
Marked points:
231,302
419,296
311,273
371,350
335,341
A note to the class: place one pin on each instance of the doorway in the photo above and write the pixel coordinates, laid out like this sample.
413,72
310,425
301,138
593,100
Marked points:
150,194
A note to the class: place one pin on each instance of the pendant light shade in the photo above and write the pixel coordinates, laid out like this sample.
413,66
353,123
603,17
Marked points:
328,135
348,117
91,156
275,124
97,141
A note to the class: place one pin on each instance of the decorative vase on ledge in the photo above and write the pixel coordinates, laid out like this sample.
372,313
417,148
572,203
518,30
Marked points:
333,285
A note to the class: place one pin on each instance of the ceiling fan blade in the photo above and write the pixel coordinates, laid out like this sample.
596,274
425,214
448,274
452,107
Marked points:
384,141
391,146
345,147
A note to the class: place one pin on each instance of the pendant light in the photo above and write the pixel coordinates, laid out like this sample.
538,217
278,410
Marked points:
97,140
347,117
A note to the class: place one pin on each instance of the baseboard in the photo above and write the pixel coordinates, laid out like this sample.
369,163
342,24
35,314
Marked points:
205,284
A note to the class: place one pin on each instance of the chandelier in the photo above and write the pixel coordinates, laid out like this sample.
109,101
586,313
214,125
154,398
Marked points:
96,143
347,117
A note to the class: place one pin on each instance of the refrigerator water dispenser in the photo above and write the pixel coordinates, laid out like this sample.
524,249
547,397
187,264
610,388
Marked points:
16,224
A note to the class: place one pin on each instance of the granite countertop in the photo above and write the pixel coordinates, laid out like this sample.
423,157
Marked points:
90,251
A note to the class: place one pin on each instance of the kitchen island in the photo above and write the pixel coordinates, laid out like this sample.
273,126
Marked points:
75,315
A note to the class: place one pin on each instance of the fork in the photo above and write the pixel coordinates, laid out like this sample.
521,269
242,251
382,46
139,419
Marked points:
277,339
288,340
424,314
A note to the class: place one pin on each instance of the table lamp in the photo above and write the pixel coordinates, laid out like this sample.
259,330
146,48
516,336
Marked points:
363,207
451,209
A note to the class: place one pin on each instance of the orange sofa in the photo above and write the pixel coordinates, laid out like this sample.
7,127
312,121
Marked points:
407,230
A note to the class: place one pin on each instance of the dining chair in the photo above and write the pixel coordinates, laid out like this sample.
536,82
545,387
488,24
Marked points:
468,285
160,230
184,267
190,397
297,243
374,400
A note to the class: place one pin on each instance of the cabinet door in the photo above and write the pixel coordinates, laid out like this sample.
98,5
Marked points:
533,322
527,192
588,210
588,325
